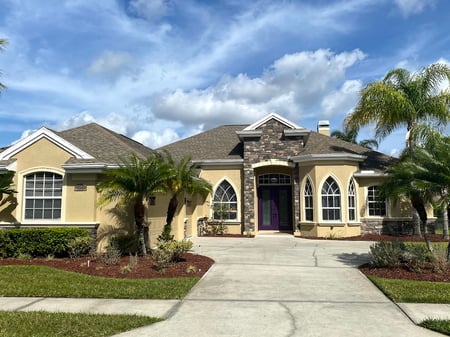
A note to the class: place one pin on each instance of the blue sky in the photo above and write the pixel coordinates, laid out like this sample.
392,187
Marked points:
161,70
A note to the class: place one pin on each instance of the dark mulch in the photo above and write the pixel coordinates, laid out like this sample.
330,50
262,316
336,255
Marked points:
427,274
190,265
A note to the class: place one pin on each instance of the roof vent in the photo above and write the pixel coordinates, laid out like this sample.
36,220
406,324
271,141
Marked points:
323,127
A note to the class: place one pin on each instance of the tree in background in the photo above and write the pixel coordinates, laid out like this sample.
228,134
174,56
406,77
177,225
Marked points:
3,43
6,184
401,99
350,135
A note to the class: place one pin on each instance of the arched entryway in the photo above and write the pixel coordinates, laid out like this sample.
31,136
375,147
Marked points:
274,202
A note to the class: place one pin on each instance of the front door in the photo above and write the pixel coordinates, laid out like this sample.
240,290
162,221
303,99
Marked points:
274,208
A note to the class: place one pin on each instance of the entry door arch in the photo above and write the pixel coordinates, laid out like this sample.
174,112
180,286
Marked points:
274,202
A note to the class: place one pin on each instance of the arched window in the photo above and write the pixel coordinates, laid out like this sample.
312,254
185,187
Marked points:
331,200
375,204
43,194
351,201
309,206
225,202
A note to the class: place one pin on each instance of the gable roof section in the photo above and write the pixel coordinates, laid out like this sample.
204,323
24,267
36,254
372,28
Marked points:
218,144
44,133
93,147
270,116
104,145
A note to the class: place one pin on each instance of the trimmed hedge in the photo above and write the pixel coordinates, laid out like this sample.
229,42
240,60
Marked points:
38,242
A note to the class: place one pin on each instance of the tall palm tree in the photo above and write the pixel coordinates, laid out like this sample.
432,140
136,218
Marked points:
403,99
6,183
350,135
3,43
182,180
132,183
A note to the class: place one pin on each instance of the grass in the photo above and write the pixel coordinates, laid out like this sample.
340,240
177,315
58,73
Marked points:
408,291
40,281
40,324
442,326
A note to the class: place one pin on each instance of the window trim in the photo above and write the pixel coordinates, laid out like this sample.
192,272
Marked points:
369,203
308,181
22,188
237,212
355,199
331,208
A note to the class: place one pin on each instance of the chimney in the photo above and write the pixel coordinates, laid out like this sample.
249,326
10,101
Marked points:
323,127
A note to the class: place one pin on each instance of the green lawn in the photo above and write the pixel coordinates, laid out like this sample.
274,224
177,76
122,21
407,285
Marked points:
44,324
43,281
407,291
442,326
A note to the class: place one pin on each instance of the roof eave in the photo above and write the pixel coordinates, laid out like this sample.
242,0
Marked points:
219,162
327,157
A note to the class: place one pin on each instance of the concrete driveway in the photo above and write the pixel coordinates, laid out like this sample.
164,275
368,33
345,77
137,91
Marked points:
282,286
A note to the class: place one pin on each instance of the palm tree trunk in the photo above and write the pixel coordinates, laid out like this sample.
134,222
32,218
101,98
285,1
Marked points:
139,216
416,223
171,210
445,221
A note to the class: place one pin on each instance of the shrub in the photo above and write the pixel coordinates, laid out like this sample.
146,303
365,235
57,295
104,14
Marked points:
415,257
169,251
386,254
79,246
127,243
38,242
439,262
112,255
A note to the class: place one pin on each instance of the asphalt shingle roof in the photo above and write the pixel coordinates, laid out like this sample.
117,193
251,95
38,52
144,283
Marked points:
223,143
104,145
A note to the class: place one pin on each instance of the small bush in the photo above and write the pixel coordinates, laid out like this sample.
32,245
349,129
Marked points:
439,262
416,257
38,242
111,256
386,254
79,246
169,251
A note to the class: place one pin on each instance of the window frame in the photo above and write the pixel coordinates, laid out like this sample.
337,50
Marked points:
373,203
232,210
351,201
329,201
43,187
308,199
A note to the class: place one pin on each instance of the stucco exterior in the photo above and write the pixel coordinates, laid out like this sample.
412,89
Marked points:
258,174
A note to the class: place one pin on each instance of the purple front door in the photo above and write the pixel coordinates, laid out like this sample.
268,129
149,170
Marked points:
274,208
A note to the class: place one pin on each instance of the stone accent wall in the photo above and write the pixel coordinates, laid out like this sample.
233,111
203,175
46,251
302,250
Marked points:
271,145
391,227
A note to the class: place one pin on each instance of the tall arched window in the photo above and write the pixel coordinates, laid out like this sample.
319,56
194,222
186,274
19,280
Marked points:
351,201
331,200
43,194
309,206
225,202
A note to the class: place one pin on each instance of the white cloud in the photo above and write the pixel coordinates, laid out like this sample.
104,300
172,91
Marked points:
343,100
409,7
109,63
295,85
155,139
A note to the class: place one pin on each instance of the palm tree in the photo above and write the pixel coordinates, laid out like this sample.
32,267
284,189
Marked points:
132,183
403,99
3,43
6,182
350,135
183,179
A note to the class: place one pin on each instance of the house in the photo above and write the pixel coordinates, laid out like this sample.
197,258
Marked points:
56,177
270,176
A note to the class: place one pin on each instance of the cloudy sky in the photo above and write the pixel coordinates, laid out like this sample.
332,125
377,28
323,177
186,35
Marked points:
161,70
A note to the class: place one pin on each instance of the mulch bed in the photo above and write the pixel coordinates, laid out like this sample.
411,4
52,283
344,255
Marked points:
190,265
402,273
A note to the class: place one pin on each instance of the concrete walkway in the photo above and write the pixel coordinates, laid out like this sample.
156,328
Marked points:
268,286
